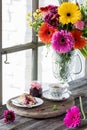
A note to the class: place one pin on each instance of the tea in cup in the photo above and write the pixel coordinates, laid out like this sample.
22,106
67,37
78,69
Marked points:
57,90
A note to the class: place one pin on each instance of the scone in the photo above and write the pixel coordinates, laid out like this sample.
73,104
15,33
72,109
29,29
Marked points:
27,99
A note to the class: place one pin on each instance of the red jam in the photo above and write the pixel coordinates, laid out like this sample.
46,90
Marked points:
36,89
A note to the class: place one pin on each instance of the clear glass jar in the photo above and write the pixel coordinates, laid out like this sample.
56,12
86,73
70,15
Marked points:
36,89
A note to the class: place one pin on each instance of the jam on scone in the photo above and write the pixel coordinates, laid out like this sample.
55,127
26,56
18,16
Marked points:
27,99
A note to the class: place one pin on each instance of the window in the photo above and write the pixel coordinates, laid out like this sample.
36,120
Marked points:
16,73
22,57
16,37
14,25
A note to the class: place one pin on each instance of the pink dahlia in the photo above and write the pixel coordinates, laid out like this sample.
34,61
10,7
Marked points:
73,117
62,41
9,116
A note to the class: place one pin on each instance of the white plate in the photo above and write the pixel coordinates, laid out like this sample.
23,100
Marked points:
64,96
15,102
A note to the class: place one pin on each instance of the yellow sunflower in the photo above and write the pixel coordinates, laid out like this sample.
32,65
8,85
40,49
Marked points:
69,13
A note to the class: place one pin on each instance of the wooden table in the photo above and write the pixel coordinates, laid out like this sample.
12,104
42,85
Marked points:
23,123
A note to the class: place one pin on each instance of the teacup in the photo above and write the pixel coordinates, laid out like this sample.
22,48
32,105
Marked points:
57,90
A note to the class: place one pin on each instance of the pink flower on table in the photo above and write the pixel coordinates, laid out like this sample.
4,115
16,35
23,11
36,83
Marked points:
73,117
79,24
8,116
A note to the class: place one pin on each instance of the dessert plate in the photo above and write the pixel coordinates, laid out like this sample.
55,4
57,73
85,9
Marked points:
15,102
64,96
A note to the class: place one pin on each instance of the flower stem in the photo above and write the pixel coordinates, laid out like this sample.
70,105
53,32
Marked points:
81,107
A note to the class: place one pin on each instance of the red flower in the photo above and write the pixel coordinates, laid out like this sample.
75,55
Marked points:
45,33
45,9
79,41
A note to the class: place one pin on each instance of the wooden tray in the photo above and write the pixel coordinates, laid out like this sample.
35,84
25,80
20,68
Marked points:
46,110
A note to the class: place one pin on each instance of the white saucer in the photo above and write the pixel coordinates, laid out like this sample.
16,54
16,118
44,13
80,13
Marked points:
64,96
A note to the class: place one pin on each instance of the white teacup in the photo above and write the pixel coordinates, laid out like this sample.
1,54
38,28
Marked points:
57,90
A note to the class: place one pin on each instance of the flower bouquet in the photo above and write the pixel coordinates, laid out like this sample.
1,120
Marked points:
64,28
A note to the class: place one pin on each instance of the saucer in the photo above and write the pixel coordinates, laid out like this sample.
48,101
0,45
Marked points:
64,96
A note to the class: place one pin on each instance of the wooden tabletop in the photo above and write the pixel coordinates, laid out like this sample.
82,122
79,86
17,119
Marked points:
56,123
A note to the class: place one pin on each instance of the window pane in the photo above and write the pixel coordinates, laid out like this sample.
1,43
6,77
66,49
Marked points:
16,74
45,65
55,2
48,2
14,25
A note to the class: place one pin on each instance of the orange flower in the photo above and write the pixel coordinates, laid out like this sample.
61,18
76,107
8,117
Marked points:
80,42
45,33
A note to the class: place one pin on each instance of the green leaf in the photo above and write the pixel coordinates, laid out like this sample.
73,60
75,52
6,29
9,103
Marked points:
54,107
84,51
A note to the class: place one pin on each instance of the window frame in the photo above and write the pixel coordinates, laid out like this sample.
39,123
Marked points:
0,52
34,44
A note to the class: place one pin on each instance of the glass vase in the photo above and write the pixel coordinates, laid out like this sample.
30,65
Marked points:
61,1
63,66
